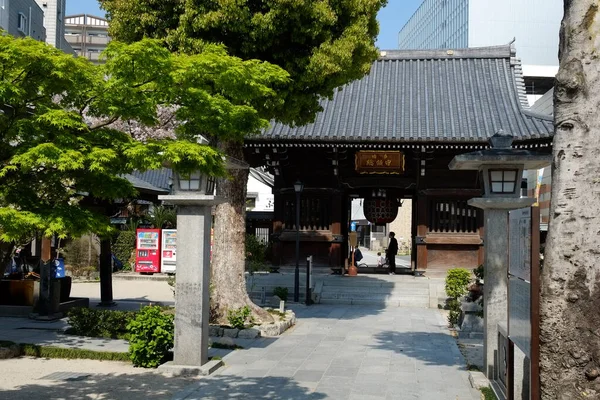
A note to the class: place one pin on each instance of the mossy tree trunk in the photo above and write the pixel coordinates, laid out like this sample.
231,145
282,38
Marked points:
570,302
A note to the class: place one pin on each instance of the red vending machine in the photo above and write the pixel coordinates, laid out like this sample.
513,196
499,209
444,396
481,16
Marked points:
147,250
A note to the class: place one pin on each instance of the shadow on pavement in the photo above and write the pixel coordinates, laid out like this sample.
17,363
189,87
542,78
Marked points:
152,385
431,348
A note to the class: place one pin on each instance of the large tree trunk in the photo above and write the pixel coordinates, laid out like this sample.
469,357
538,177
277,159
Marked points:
228,260
570,303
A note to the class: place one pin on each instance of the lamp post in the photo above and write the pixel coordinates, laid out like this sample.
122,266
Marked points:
298,187
501,167
194,195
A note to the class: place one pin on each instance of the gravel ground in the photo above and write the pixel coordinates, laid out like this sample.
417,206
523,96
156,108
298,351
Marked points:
34,378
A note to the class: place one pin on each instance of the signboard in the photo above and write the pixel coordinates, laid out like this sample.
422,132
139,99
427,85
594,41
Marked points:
519,317
519,244
353,226
379,162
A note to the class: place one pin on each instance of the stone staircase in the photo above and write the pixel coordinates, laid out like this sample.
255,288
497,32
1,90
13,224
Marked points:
379,290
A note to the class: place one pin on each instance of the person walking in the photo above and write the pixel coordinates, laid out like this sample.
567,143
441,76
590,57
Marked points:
391,252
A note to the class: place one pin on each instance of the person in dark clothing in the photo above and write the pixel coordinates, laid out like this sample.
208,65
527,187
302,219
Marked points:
391,252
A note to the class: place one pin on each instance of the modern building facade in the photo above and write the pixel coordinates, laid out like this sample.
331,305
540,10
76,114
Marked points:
22,18
54,22
87,34
533,24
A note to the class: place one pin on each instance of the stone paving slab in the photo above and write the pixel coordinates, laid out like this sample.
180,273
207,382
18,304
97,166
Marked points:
341,352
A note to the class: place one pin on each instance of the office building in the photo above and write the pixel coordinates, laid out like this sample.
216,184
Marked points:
452,24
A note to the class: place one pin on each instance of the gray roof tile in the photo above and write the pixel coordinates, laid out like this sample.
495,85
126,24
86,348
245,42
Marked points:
427,96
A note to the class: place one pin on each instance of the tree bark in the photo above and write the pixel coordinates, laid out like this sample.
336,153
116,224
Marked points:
570,298
228,279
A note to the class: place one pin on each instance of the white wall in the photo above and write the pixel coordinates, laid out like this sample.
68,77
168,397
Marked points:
265,199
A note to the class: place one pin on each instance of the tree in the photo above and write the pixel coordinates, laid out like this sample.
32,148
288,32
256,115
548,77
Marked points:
570,320
58,141
322,45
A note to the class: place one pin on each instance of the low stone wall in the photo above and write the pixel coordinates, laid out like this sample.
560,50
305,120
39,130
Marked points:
273,329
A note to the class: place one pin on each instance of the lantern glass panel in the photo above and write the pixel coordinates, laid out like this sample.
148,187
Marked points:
509,187
497,187
496,176
503,181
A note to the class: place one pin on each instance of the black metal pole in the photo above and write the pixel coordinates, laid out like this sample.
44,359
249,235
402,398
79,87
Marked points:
297,270
308,297
106,292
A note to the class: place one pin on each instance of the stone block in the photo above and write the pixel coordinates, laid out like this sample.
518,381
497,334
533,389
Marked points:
269,329
222,340
478,380
215,331
274,301
232,333
249,333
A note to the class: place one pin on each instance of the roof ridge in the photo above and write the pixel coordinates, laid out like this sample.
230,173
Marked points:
502,51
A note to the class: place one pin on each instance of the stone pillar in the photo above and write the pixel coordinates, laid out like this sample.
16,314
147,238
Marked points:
192,287
495,308
495,288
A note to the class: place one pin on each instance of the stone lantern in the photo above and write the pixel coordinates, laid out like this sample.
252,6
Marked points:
194,195
502,169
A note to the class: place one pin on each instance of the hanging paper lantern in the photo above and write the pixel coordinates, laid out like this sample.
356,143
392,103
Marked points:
380,211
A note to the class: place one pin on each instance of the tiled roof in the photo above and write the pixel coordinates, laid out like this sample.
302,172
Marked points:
456,96
158,177
144,186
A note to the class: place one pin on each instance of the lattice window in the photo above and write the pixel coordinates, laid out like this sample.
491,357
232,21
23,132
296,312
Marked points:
315,213
453,216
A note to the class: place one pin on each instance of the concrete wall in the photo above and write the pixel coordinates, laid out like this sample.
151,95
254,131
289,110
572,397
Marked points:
33,13
54,21
264,195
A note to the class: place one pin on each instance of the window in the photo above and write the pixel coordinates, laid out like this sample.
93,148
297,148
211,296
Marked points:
503,181
190,182
22,23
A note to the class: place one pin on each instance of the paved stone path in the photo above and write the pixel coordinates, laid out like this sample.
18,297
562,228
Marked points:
347,352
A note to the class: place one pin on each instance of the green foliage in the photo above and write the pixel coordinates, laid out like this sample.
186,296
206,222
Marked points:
488,393
237,318
34,350
124,247
82,252
322,45
151,336
281,292
163,217
478,272
65,126
255,249
457,282
100,323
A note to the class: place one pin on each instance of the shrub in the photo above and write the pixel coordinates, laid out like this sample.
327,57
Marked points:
457,282
255,249
151,336
478,272
99,323
237,318
82,252
124,247
281,292
457,285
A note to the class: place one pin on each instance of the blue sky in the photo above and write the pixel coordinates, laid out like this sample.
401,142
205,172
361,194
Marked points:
391,18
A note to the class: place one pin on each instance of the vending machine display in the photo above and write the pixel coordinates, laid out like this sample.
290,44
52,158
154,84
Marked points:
147,250
169,251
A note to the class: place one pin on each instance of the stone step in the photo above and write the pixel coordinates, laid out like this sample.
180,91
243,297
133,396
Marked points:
414,303
378,291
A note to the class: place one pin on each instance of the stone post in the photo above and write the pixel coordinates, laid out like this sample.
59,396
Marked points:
495,289
192,286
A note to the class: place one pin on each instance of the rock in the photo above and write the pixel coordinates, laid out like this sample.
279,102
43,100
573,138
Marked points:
232,333
215,331
274,302
270,330
249,333
223,340
11,351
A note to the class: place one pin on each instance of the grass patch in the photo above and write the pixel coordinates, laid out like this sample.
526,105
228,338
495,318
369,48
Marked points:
34,350
280,314
216,358
488,393
216,345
